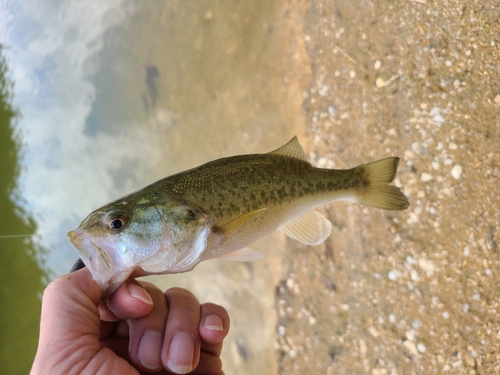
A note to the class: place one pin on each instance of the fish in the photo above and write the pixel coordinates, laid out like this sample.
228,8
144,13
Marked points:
218,209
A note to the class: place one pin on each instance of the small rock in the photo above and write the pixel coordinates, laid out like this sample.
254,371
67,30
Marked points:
373,331
438,119
425,177
392,275
456,171
362,346
281,330
410,335
497,99
323,90
412,348
469,359
379,82
427,265
414,275
421,348
378,64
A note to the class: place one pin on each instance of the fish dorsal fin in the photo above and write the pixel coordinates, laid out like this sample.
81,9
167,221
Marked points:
246,254
233,225
310,229
292,149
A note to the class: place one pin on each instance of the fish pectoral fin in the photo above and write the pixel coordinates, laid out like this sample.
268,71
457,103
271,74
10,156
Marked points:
246,254
310,229
292,149
240,220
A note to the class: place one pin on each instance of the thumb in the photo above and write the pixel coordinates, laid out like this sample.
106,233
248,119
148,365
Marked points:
70,321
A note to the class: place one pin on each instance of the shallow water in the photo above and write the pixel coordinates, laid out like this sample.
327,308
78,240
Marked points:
113,96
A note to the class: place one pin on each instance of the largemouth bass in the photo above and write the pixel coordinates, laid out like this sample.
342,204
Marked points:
220,208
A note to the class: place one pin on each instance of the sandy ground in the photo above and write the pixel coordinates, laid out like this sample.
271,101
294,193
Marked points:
418,291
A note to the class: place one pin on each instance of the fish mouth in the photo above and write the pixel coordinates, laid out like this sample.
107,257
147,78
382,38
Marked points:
90,253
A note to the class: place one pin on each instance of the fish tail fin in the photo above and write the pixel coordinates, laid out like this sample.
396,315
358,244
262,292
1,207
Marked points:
377,192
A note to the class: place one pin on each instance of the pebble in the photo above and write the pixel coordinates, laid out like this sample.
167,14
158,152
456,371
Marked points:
392,275
323,90
373,331
456,171
281,330
421,348
414,275
469,359
446,315
425,177
427,265
446,191
497,99
412,348
438,119
379,82
416,324
410,335
378,64
362,346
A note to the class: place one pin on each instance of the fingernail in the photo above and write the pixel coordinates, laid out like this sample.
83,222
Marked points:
149,349
213,322
137,292
181,353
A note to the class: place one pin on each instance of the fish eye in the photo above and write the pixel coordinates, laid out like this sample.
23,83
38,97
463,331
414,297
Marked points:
116,224
117,221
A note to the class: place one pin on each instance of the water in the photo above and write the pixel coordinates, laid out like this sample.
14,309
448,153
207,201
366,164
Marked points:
111,96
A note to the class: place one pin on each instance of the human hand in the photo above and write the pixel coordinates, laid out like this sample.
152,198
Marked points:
137,330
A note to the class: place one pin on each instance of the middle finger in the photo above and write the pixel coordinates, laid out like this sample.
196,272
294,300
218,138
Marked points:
147,333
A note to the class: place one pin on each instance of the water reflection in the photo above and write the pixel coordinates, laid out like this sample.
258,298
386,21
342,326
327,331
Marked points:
116,95
21,276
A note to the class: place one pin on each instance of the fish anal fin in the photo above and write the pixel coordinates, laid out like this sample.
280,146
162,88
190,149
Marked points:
310,229
292,149
233,225
246,254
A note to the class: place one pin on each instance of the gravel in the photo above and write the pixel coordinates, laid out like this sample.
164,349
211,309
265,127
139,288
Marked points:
412,292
